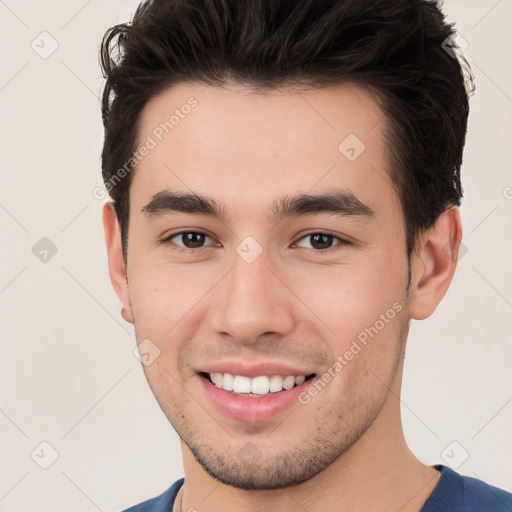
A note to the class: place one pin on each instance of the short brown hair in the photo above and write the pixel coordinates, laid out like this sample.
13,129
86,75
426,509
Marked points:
401,49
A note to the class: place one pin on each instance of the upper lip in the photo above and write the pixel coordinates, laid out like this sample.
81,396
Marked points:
254,370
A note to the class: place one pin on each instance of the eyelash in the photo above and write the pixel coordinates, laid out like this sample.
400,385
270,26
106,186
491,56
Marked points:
341,242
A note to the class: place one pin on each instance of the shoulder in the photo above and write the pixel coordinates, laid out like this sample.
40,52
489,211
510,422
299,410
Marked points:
458,493
482,496
162,503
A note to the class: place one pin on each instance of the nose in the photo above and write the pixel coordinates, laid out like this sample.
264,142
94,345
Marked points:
253,301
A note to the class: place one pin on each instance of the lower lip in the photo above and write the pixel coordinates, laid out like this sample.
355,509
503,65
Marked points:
255,409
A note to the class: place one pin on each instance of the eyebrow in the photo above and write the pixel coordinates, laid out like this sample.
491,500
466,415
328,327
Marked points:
339,203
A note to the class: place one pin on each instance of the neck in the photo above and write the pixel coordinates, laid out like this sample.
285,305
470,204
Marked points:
377,473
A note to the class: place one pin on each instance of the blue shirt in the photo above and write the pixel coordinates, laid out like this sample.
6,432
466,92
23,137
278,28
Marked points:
453,493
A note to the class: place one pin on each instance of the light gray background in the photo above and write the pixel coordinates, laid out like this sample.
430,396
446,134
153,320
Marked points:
68,376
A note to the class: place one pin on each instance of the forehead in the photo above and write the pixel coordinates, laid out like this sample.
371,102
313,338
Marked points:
246,146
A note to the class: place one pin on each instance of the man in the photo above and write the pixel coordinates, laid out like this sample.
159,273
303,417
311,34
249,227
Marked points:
285,179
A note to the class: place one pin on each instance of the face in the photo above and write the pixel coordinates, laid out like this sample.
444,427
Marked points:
286,267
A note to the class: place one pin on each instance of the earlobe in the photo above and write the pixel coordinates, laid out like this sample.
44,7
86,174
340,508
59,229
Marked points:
434,263
127,315
116,264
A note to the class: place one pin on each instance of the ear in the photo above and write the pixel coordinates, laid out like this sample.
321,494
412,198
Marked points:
433,263
116,264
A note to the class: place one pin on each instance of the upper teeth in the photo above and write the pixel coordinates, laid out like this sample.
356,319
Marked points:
258,385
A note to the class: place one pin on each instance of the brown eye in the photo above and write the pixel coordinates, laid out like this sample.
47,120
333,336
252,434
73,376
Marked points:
189,239
322,241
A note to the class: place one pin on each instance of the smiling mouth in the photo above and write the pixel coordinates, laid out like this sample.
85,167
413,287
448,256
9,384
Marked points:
260,386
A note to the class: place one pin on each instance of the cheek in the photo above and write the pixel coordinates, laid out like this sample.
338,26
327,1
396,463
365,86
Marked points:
350,298
166,302
166,385
365,357
162,295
